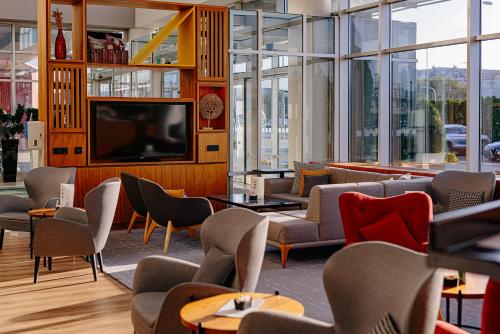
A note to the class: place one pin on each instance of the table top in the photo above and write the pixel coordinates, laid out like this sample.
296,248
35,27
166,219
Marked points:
202,311
474,287
243,200
42,213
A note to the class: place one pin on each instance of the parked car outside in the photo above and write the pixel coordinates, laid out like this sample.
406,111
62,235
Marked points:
492,151
456,138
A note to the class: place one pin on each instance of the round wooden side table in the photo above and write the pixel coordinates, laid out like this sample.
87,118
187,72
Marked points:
474,288
39,214
202,311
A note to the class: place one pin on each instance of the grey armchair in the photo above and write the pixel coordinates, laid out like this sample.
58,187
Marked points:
75,232
162,285
131,186
363,282
174,213
43,187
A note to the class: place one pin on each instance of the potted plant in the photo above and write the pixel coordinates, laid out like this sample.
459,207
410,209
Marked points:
10,126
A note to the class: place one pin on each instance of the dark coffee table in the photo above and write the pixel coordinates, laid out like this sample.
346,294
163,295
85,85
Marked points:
243,201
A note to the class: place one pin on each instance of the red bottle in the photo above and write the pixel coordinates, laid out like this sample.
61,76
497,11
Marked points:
60,46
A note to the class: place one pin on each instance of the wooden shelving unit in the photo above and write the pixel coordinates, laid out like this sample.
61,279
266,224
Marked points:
202,33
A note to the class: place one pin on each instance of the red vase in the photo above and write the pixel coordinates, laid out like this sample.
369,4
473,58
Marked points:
60,47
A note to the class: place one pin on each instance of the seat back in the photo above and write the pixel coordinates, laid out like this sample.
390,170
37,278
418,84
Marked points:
359,210
44,183
182,212
240,232
131,186
443,182
100,205
366,280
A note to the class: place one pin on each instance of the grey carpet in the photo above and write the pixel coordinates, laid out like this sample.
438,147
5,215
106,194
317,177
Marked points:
302,279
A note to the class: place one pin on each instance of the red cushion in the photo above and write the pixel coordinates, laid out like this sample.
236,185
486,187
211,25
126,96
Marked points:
358,210
446,328
390,229
491,308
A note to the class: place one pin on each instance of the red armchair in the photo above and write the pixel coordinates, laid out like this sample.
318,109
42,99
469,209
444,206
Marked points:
402,220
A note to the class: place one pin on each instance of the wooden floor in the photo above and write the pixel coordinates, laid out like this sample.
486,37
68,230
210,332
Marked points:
66,300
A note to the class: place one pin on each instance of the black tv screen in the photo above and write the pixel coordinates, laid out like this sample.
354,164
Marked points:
140,131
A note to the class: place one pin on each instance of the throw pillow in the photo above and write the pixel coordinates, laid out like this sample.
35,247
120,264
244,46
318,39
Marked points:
301,165
462,199
405,177
176,192
385,326
216,267
309,179
391,229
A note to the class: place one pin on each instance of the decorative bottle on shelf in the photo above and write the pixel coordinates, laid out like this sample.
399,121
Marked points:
60,44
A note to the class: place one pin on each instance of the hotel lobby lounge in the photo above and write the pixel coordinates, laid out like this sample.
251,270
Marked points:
250,166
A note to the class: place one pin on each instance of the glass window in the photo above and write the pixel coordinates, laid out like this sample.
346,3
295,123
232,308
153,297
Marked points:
5,95
27,94
26,66
281,117
244,30
489,16
423,21
321,36
354,3
245,112
26,39
364,110
364,30
318,135
490,105
282,32
5,66
429,124
5,37
171,84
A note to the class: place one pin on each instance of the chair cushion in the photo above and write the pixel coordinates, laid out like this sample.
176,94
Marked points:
298,167
463,199
288,229
216,267
15,221
146,307
19,216
390,229
447,328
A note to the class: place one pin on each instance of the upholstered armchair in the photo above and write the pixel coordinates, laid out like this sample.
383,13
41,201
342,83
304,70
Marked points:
364,282
131,186
43,186
174,213
233,241
77,232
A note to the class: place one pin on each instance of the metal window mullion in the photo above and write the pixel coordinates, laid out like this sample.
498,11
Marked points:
260,101
305,110
342,127
473,86
336,93
384,102
13,89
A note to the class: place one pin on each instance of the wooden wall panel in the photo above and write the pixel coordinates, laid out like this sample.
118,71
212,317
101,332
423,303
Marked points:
216,139
71,142
212,43
196,180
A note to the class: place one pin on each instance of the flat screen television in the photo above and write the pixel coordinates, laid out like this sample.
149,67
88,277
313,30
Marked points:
129,131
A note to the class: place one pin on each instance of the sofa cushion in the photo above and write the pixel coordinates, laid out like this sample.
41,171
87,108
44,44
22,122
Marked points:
298,167
463,199
391,229
292,198
341,175
400,187
216,267
146,308
288,229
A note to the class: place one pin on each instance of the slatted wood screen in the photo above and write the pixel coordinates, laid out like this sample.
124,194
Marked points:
67,91
212,43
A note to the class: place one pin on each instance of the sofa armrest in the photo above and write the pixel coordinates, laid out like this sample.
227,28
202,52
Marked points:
56,237
324,205
73,214
269,322
161,273
399,187
278,186
10,203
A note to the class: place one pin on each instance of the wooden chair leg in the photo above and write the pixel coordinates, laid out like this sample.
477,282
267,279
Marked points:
94,269
132,221
151,229
2,232
99,260
148,224
37,265
50,263
284,253
170,229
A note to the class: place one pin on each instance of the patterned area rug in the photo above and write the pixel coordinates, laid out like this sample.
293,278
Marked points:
302,279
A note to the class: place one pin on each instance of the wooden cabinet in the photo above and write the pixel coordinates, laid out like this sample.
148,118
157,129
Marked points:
67,149
212,147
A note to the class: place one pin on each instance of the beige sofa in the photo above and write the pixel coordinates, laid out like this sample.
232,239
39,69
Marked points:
320,223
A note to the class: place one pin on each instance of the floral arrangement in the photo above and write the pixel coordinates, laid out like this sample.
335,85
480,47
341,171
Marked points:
57,15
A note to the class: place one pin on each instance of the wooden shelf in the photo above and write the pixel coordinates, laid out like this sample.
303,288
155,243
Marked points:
142,66
65,61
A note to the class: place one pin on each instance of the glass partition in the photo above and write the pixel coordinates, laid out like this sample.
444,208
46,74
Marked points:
282,32
364,30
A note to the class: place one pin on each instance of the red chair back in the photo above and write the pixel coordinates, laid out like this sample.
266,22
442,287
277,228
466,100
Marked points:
359,210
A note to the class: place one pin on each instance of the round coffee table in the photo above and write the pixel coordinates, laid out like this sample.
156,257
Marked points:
39,214
474,288
202,311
